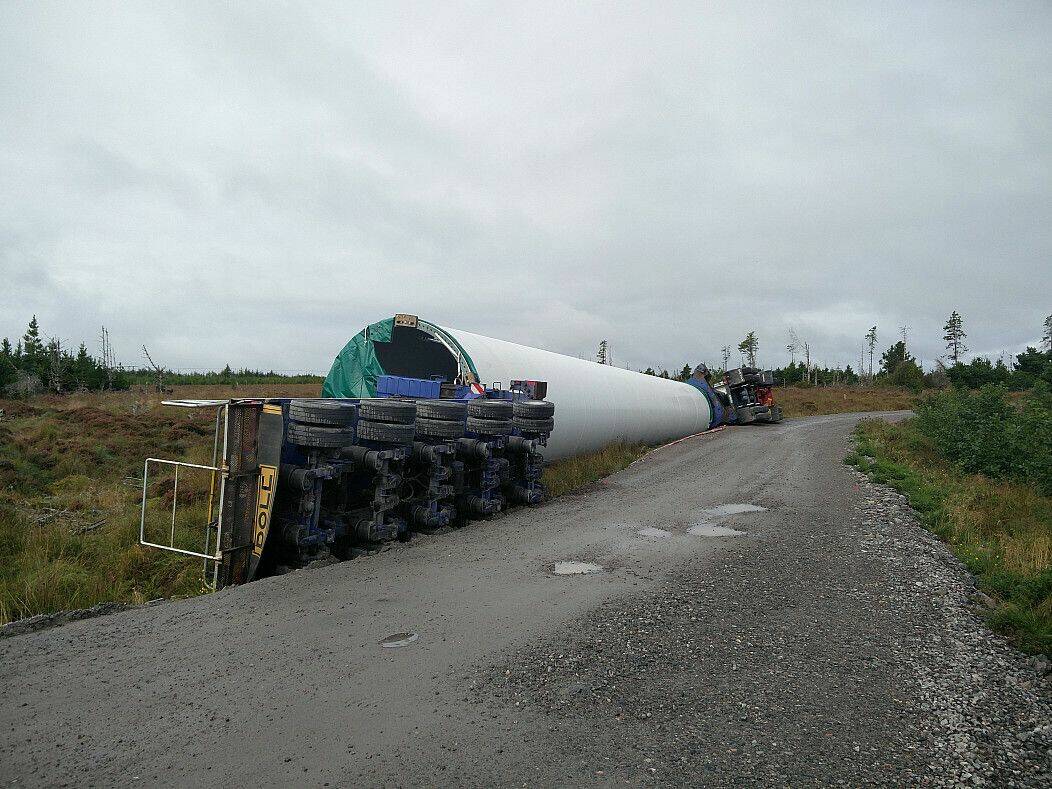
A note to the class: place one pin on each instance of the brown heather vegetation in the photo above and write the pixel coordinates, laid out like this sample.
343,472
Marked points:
810,401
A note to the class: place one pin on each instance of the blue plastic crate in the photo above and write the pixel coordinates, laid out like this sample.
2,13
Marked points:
400,386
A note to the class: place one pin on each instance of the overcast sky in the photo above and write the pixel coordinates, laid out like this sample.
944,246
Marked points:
231,182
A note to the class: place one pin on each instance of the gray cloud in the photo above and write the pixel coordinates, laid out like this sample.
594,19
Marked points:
253,186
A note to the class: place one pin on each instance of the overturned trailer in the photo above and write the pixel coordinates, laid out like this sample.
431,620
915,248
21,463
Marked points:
420,427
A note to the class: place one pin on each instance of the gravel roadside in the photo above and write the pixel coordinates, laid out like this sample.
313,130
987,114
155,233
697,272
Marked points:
850,652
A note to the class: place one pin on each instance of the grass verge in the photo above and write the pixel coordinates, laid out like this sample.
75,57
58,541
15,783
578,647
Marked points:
1002,531
565,476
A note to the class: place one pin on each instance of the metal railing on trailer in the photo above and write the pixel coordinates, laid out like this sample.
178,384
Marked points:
211,554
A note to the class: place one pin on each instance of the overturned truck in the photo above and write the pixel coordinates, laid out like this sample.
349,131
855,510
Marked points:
419,428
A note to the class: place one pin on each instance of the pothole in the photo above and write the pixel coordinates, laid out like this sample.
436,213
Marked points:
575,568
712,530
731,509
650,531
398,640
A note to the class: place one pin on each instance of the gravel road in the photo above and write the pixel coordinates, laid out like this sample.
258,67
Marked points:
758,614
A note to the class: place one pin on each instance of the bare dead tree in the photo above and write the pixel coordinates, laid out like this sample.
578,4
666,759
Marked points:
793,346
108,363
156,369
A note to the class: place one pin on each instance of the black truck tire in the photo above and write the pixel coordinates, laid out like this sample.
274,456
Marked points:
439,428
534,409
330,413
397,412
450,410
534,425
388,432
489,427
490,409
317,437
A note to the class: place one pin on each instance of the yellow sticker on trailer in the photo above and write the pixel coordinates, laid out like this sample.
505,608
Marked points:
268,483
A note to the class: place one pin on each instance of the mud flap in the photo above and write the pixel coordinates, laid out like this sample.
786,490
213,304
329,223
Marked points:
268,454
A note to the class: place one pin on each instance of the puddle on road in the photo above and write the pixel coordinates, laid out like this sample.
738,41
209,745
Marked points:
731,509
398,640
575,568
712,530
650,531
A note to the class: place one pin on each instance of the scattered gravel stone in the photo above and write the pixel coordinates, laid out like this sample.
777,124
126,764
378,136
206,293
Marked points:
847,653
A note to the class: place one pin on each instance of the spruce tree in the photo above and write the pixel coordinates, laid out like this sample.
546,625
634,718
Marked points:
954,337
600,355
749,347
32,347
871,342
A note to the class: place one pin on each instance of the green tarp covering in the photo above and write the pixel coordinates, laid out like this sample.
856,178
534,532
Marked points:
356,368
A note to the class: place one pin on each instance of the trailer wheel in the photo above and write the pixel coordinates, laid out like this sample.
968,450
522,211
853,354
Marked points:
332,413
439,428
399,412
387,432
534,425
452,410
489,427
490,409
316,437
534,409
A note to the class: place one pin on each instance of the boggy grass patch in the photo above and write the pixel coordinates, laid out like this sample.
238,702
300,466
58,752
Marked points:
1002,531
54,566
69,504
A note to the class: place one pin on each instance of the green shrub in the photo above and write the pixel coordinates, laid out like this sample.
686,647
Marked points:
984,433
908,375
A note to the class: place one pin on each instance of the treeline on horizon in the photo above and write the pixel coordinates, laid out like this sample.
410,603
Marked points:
895,366
35,364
